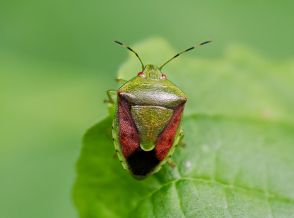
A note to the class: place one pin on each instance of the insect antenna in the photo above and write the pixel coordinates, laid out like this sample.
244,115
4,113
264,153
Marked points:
130,49
188,49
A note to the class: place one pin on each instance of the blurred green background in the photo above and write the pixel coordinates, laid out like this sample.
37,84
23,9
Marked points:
57,59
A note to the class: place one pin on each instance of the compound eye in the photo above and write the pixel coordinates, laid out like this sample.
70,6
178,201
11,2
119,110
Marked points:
163,76
141,74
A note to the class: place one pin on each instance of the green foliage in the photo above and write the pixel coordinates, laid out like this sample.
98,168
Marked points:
238,160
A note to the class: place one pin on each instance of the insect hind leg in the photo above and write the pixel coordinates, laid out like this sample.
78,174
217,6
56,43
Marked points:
171,163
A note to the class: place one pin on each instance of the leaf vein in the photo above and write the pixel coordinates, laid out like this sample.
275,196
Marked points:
268,195
179,199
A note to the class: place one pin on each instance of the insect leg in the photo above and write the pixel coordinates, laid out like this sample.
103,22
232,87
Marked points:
171,163
181,142
115,155
110,94
121,81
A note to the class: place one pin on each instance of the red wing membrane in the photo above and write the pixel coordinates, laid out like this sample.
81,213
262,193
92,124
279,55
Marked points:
128,134
166,138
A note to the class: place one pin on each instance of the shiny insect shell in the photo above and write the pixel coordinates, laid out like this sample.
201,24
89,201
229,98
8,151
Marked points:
146,125
147,119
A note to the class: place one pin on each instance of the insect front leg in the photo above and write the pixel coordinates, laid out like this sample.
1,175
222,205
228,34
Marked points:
110,96
121,81
111,101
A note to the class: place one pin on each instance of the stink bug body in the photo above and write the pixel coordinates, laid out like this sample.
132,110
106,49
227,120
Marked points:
147,118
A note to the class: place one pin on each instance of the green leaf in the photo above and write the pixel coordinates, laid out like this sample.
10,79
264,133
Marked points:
238,160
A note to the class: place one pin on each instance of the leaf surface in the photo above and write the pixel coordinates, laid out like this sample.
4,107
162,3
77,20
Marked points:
238,159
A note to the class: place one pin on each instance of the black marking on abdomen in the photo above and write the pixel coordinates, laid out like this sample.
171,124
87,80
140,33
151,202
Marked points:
141,163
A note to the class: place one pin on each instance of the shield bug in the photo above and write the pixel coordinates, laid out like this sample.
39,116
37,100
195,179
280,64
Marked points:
147,118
